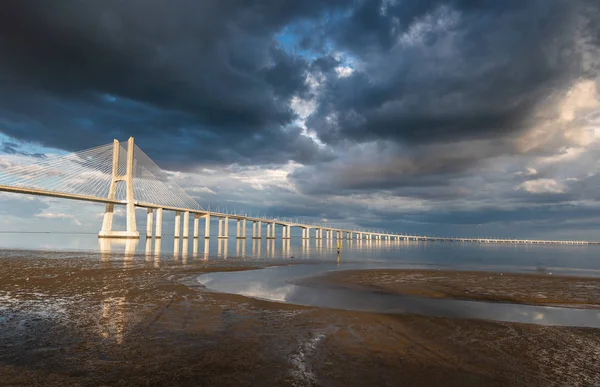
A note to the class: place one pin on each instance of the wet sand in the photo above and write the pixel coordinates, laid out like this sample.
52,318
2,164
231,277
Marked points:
111,321
532,289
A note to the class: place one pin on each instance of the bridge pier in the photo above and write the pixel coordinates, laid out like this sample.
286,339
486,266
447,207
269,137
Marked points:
220,230
244,231
149,219
196,221
177,230
186,224
158,232
271,231
207,226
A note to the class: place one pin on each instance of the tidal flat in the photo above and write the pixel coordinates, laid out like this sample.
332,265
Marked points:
520,288
88,320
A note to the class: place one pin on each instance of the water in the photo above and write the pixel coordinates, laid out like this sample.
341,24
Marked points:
274,283
575,260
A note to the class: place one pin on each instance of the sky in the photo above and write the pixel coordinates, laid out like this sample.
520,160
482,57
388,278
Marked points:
438,117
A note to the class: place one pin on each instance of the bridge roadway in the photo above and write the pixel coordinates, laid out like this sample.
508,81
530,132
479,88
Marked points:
320,231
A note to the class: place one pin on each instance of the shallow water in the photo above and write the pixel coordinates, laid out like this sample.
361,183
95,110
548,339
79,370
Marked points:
576,260
275,284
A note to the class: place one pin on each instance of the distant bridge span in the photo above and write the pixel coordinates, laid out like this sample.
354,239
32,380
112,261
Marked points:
116,174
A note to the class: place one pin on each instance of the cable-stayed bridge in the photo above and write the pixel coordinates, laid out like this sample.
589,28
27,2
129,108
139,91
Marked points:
122,174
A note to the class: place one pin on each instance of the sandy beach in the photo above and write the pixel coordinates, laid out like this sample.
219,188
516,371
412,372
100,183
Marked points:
143,321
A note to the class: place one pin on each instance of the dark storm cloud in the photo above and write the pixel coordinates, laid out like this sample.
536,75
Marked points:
435,71
78,73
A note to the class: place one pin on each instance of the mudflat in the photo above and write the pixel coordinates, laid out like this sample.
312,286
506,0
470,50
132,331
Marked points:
533,289
102,320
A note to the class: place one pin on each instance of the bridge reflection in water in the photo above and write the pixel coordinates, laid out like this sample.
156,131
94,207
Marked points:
576,260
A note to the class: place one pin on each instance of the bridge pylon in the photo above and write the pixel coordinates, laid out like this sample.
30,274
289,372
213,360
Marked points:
127,178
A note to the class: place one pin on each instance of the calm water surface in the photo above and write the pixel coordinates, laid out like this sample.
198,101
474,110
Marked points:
575,260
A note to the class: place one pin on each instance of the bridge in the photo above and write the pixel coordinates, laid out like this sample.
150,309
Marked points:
123,175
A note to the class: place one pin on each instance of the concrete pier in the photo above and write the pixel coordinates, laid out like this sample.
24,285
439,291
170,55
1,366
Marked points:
186,224
207,226
286,231
177,231
196,221
158,233
149,219
270,230
220,228
226,225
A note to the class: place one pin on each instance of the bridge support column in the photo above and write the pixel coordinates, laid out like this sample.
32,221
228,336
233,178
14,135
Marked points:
226,225
286,232
196,221
220,230
107,221
158,223
271,231
207,226
238,230
259,230
244,231
177,231
186,224
149,219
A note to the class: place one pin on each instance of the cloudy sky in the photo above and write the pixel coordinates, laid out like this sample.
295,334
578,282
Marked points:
445,117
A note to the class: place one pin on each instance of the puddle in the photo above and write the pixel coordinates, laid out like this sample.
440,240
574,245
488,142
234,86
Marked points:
274,284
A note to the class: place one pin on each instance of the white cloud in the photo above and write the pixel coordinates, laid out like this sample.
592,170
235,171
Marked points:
303,107
344,71
540,186
203,189
54,215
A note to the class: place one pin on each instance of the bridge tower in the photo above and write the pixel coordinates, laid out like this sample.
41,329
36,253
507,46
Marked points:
107,222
